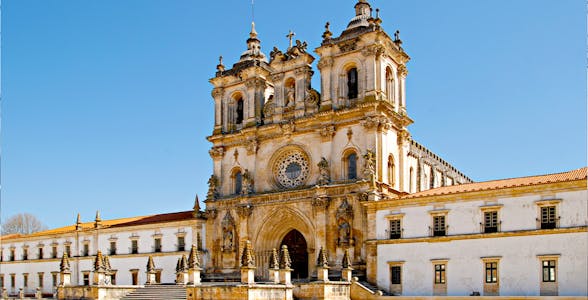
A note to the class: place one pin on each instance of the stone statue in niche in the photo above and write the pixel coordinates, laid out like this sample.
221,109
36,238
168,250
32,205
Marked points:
227,239
290,97
312,98
228,234
247,187
324,172
344,233
370,167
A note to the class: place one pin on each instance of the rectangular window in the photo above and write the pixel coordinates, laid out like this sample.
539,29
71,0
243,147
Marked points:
86,278
1,281
440,274
490,221
395,275
548,218
25,280
41,280
54,279
12,280
395,230
1,255
439,226
112,248
113,278
181,243
68,250
40,253
12,254
157,245
134,247
54,251
86,250
548,271
25,254
491,272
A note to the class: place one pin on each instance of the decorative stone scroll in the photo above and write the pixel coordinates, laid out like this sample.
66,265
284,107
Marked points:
217,152
244,210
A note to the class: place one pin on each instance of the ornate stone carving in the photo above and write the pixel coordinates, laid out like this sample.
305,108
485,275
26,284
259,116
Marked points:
268,107
325,62
285,261
348,45
290,99
369,122
344,233
322,261
402,71
349,134
251,146
247,187
64,266
244,210
276,54
277,77
194,258
327,131
218,92
345,210
212,193
291,169
251,83
381,122
228,230
327,34
363,197
324,172
217,152
321,202
210,213
312,98
288,128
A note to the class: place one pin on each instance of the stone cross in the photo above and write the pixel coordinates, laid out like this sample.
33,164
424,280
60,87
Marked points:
290,35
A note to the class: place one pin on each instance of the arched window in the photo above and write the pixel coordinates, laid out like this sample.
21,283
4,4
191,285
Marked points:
391,170
352,166
389,85
410,180
352,83
239,110
237,182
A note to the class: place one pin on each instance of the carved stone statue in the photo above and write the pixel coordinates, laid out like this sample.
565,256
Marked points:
370,166
212,188
312,98
227,238
247,187
268,107
290,97
344,233
324,172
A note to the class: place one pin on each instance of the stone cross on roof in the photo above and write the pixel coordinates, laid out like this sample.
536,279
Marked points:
290,35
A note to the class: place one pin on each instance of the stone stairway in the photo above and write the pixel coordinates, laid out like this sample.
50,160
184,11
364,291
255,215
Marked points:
373,288
158,292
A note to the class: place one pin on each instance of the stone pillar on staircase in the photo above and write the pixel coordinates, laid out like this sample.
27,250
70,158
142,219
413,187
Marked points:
150,271
194,267
247,264
285,266
346,269
322,266
64,271
274,267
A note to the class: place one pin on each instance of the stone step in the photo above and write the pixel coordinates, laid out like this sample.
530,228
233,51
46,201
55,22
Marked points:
158,292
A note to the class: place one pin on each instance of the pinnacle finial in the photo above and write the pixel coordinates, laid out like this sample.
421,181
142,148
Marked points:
327,34
322,260
273,260
220,67
97,219
64,264
79,219
247,259
99,262
285,261
150,264
253,33
194,258
196,207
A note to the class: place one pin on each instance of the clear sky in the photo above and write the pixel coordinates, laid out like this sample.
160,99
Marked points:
106,104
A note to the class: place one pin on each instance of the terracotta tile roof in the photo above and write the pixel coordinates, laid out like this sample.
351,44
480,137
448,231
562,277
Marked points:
573,175
132,221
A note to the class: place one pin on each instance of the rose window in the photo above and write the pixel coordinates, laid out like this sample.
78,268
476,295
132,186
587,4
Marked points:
291,169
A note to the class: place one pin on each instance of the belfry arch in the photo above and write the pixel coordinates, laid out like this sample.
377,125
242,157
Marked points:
284,225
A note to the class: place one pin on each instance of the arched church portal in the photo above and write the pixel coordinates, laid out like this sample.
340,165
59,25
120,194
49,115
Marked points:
298,253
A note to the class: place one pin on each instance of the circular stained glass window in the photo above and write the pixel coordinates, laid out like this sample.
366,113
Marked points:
291,169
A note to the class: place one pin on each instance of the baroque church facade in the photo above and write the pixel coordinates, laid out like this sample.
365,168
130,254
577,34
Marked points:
333,175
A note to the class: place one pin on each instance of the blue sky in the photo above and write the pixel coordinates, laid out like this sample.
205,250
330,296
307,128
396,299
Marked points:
106,104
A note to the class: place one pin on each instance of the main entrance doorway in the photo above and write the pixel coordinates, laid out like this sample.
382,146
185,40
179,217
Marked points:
298,253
